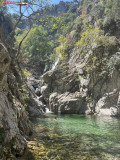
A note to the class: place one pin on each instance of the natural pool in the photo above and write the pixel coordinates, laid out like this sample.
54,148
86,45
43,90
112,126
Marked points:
76,137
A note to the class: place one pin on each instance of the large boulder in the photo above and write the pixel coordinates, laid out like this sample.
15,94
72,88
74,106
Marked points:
108,104
66,102
36,107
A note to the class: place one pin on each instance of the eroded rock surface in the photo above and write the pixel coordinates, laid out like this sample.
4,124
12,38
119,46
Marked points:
70,89
13,117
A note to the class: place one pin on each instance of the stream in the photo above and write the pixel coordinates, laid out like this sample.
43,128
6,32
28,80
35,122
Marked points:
76,137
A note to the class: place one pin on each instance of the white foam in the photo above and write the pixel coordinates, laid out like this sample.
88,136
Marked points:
48,111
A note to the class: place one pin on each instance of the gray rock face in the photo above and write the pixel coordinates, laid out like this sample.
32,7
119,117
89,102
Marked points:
4,65
37,92
60,89
66,103
98,89
13,117
108,104
36,106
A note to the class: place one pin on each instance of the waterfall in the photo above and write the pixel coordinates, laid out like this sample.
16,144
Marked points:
55,64
48,111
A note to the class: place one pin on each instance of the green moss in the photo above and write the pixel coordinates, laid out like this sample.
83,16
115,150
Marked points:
2,134
6,60
1,152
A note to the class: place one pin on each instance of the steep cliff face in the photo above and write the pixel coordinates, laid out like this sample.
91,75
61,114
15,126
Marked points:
60,89
70,89
100,86
14,121
86,83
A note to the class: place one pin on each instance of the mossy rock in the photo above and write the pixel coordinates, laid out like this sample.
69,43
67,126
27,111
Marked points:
6,60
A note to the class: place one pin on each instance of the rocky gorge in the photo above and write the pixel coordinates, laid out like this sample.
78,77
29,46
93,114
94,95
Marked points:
68,90
84,80
89,83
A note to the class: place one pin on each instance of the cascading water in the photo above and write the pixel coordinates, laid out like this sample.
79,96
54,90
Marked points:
55,64
48,111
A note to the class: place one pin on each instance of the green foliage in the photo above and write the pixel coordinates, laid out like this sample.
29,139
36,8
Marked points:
19,34
99,23
108,42
83,5
53,57
112,11
113,61
27,73
25,94
89,38
41,42
6,60
18,31
63,49
37,46
58,23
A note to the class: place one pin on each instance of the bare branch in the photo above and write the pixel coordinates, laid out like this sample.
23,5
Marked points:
20,44
9,36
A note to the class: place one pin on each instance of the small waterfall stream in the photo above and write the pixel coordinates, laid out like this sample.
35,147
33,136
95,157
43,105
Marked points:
55,64
48,111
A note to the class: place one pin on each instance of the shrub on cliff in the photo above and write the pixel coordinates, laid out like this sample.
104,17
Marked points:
90,37
63,50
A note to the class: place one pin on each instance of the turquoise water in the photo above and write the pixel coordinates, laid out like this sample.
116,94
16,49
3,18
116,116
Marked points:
78,137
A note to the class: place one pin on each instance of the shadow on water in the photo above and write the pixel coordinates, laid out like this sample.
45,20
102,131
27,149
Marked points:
27,156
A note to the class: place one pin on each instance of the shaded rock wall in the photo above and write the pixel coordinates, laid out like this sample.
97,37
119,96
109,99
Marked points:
13,117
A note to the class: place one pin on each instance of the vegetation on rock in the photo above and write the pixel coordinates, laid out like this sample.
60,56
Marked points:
82,38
